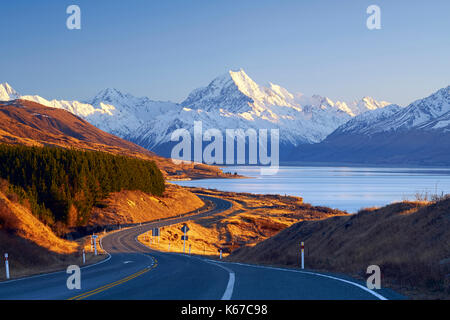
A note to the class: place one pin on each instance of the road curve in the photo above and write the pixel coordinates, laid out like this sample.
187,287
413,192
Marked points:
133,271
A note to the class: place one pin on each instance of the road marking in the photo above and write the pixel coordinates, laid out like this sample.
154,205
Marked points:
62,271
379,296
231,279
113,284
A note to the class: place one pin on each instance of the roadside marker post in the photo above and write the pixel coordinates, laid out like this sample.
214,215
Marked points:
7,266
189,249
220,254
303,254
84,257
95,243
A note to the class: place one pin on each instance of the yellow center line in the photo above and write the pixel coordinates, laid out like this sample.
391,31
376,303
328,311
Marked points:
113,284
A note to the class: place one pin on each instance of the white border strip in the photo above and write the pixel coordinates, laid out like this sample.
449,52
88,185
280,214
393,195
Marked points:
377,295
231,279
62,271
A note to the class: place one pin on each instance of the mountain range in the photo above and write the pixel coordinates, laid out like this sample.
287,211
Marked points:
418,134
24,122
312,128
230,101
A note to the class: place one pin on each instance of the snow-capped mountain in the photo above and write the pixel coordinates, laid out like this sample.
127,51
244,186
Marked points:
7,93
363,123
419,114
110,110
230,101
416,134
125,113
235,101
431,113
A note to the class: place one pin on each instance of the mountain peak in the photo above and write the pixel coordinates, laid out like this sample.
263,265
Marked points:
109,92
7,92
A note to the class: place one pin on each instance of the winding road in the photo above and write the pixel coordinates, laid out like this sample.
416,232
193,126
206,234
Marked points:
134,271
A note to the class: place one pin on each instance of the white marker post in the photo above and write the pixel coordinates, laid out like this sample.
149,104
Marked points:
95,244
220,254
7,266
84,257
303,255
168,248
189,249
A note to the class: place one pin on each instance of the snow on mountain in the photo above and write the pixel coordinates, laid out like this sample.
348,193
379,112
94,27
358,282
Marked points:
418,134
110,110
125,113
428,113
7,93
363,122
419,113
230,101
234,101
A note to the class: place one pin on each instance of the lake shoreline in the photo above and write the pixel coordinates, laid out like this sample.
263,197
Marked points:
344,188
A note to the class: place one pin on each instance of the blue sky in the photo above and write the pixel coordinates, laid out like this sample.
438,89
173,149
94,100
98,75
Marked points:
164,49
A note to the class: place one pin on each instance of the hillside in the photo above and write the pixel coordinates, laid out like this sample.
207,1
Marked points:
63,185
136,206
252,219
31,245
410,241
32,124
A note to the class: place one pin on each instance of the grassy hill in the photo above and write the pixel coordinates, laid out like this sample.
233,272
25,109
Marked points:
410,241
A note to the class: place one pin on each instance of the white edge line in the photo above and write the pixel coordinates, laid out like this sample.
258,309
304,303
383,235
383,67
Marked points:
379,296
231,279
62,271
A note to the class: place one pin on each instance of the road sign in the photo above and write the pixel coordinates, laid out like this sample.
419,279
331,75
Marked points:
184,228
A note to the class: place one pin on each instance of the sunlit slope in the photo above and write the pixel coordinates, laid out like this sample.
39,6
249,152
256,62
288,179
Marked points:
252,219
135,206
410,241
32,124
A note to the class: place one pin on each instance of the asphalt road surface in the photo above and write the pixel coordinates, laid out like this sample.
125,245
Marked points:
133,271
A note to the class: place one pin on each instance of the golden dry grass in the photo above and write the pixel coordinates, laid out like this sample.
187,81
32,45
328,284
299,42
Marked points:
32,246
252,219
136,206
410,241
